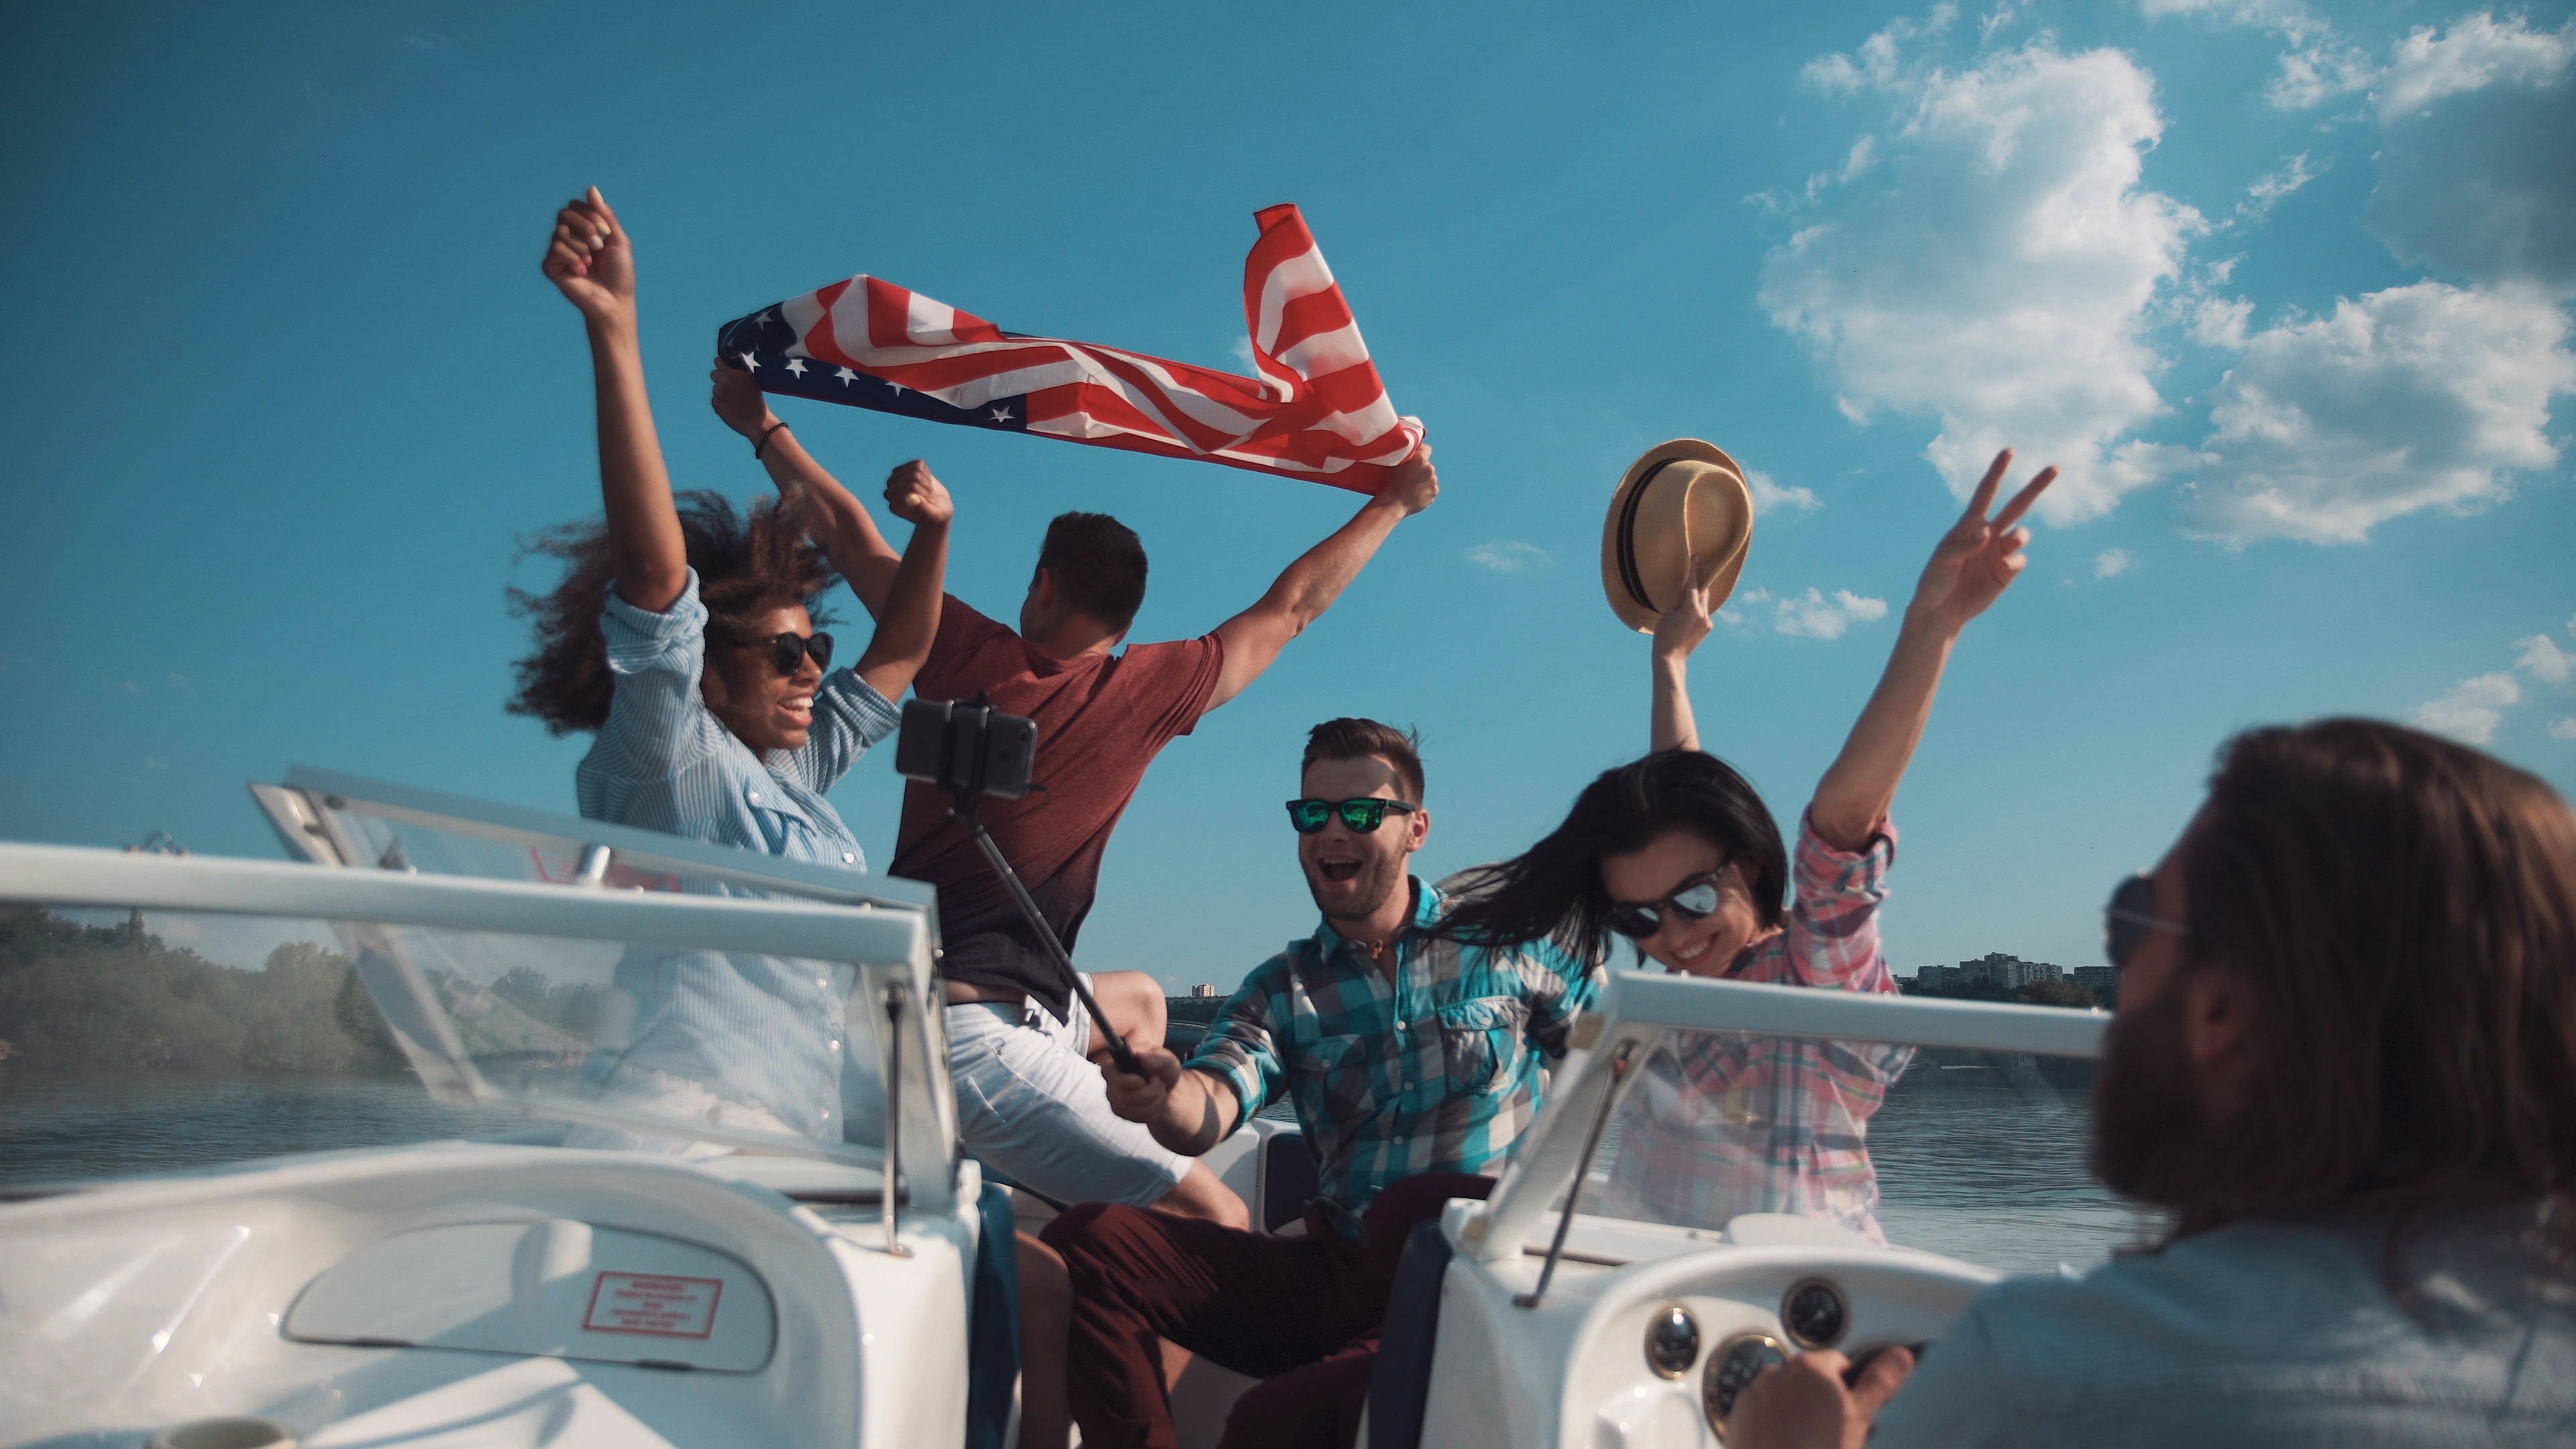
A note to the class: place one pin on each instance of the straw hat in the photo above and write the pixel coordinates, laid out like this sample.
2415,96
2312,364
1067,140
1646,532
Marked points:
1682,498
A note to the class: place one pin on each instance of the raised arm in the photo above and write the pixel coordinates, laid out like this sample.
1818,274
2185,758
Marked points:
1970,568
908,616
1254,637
591,261
1676,635
832,515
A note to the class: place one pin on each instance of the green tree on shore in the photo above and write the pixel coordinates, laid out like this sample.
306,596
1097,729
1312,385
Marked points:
77,998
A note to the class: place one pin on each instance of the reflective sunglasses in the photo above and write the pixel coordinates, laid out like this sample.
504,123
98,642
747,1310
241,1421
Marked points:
2130,916
787,651
1696,900
1360,815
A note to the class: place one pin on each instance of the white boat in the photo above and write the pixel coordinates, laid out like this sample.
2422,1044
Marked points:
658,1261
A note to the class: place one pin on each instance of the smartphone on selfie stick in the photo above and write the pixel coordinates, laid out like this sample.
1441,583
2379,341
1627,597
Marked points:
975,750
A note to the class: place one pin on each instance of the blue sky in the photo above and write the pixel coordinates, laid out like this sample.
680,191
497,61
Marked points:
2284,286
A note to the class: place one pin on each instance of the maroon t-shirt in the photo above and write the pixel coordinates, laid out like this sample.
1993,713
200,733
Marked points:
1101,720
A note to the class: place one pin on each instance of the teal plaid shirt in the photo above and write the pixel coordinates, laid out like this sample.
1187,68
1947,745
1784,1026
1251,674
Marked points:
1435,1073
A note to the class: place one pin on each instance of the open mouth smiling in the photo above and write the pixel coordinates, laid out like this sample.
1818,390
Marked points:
1339,872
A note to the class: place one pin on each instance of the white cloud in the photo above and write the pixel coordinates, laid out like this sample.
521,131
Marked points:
1770,497
1812,616
181,683
2476,54
2563,729
2268,189
2473,708
2111,563
2319,64
122,686
1241,351
1994,269
2478,184
1506,556
2545,660
150,764
2400,400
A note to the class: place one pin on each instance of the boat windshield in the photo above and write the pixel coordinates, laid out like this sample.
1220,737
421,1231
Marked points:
1973,1153
175,1013
1693,1108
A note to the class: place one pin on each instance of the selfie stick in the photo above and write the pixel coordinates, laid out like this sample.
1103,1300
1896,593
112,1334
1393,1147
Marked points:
1028,905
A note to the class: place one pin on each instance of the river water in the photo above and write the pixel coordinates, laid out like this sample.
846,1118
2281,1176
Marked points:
1992,1176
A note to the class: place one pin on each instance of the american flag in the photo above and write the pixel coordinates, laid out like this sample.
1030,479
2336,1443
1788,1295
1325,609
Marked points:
1316,410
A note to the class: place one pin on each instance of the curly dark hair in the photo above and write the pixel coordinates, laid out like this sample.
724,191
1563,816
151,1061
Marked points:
747,566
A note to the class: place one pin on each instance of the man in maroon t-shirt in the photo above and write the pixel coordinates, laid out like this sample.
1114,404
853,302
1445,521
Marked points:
1028,1101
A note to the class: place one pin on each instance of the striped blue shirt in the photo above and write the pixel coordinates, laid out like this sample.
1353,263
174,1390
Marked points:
761,1032
1434,1072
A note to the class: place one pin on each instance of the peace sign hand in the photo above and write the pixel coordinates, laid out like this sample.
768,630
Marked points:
1979,557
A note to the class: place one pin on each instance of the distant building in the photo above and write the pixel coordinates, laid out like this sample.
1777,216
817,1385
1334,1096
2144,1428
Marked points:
2102,981
1202,989
2011,973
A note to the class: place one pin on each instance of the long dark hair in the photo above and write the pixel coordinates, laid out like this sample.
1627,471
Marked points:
1553,890
2403,910
747,567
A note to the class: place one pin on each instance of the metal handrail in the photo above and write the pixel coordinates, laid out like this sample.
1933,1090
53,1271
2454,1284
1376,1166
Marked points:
67,875
643,849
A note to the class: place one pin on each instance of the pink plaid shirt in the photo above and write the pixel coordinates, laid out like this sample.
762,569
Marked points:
1721,1123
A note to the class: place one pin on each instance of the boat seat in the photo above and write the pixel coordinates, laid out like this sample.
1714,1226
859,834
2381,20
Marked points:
1400,1385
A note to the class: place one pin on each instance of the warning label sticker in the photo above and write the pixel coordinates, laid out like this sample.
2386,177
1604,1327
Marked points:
648,1303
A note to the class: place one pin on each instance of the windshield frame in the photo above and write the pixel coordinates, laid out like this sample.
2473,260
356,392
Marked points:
1638,1008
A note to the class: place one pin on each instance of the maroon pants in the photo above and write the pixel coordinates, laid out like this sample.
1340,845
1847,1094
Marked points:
1301,1314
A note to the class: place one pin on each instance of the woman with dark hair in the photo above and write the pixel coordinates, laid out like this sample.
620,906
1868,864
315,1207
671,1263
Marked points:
1678,853
683,635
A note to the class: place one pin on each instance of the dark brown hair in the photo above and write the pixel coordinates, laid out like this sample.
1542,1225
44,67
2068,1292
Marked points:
2404,911
1099,566
1553,890
1357,739
747,567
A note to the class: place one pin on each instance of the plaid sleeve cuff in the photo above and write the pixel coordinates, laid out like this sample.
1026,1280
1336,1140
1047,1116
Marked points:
1230,1062
1822,873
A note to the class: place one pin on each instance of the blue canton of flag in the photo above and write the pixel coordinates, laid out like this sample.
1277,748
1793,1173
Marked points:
759,343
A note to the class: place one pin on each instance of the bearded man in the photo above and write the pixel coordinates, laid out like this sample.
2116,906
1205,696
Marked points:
1413,1064
2345,1066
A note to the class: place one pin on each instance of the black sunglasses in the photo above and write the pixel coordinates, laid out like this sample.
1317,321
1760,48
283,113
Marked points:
2130,916
787,651
1696,900
1360,815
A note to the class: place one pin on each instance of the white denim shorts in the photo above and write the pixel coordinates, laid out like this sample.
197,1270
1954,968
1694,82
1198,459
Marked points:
1030,1103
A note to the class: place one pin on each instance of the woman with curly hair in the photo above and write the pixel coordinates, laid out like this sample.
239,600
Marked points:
1678,853
683,636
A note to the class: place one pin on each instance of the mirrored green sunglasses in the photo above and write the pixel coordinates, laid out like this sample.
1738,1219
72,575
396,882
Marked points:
1360,815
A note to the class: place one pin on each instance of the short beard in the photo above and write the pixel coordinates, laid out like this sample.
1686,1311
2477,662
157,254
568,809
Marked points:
1379,879
2153,1139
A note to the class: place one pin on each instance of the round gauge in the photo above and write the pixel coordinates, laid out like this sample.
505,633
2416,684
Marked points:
1672,1341
1813,1314
1730,1369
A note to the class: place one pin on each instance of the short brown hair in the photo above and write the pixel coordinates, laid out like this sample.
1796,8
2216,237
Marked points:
2404,911
1357,739
1099,567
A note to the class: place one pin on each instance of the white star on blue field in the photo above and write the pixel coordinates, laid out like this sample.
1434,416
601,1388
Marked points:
2285,287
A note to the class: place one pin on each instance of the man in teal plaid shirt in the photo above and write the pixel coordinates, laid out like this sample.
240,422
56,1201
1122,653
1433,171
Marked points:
1413,1064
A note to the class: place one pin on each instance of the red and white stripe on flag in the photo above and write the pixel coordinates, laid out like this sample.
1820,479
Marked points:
1317,410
